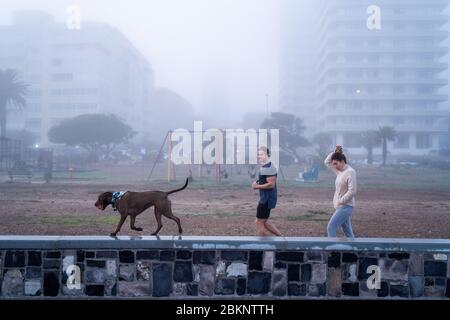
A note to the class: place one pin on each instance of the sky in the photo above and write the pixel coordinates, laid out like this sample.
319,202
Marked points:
206,50
199,48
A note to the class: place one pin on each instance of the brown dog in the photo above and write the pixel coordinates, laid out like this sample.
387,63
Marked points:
133,203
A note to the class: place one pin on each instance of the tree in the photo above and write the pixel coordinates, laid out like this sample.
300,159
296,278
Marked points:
386,134
99,134
324,141
12,91
370,139
290,129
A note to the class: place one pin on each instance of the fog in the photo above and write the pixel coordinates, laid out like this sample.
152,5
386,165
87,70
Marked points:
233,63
197,48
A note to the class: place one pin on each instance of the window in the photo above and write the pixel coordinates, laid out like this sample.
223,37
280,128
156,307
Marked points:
355,106
33,123
352,140
33,107
373,58
402,141
425,58
331,120
398,121
424,90
73,107
34,93
399,106
399,89
423,141
372,74
425,74
56,121
74,91
56,62
62,76
399,26
399,10
399,74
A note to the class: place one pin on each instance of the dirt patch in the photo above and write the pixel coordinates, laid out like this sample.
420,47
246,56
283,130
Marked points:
68,209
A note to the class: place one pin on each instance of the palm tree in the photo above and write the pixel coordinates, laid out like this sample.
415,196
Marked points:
387,134
370,139
11,91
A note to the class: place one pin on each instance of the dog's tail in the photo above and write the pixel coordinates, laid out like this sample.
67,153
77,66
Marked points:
182,188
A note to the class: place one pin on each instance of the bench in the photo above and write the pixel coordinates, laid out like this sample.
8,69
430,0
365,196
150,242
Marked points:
24,173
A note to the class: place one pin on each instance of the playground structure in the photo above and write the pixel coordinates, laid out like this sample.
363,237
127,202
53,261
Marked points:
23,162
10,152
221,171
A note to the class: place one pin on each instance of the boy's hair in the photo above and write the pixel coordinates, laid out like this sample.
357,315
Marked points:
338,155
265,150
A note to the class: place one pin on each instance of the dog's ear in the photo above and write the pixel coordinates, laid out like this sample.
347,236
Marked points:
104,199
107,197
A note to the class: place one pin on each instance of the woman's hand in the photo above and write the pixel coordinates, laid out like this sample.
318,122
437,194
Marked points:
255,185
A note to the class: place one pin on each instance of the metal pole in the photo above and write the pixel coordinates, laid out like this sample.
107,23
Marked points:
169,151
157,156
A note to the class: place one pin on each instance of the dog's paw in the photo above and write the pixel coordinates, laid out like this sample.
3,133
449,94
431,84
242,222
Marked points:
137,229
112,234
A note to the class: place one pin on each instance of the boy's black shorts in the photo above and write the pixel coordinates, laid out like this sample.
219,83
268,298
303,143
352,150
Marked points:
263,211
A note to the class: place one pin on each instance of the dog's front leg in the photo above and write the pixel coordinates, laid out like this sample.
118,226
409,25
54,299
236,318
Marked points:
122,220
132,222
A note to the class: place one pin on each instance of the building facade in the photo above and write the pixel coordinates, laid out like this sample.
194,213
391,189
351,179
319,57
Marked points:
390,75
94,69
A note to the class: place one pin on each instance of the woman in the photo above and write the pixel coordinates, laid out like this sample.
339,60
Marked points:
344,196
267,187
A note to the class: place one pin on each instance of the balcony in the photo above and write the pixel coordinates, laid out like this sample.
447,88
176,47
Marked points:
328,111
377,97
359,127
394,65
362,82
363,32
343,49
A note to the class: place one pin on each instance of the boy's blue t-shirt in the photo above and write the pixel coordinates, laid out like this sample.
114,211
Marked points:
267,195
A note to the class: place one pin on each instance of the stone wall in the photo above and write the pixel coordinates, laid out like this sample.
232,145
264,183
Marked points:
223,267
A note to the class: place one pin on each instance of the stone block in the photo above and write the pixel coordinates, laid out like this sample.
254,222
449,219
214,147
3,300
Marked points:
134,289
237,269
126,272
258,282
12,284
279,283
143,270
162,279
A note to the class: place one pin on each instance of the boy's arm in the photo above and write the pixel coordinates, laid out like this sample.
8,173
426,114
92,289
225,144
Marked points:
271,181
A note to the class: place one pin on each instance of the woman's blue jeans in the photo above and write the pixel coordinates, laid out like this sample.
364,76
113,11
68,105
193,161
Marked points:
341,217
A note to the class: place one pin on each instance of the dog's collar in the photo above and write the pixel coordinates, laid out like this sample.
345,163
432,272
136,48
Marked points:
116,197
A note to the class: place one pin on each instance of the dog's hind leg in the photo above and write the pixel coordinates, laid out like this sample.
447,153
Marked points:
168,213
158,220
122,220
132,222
